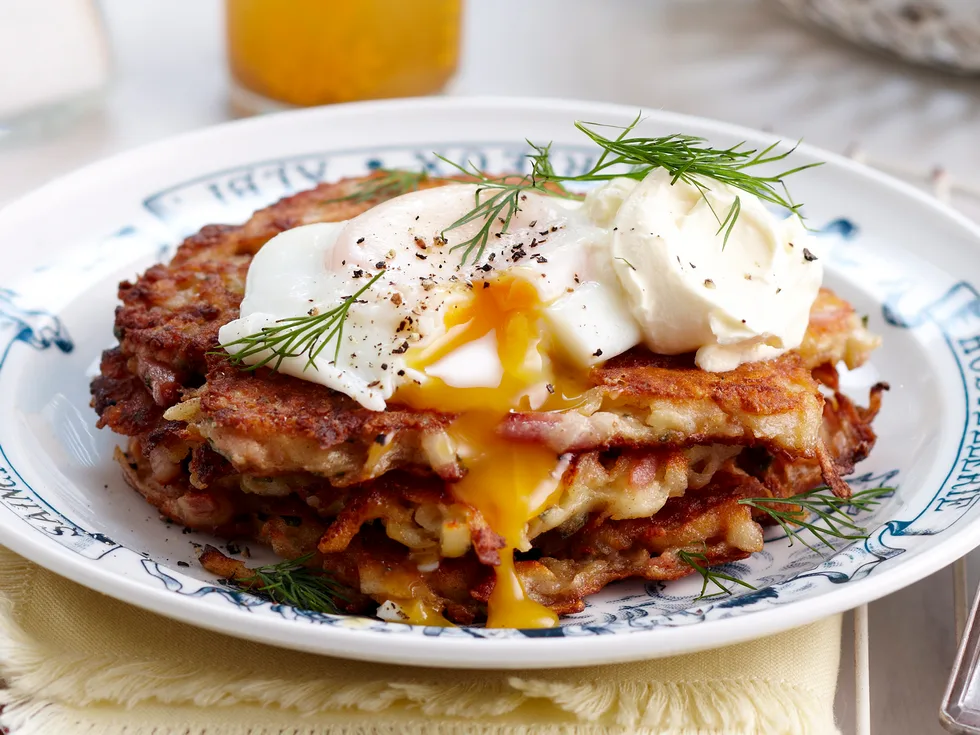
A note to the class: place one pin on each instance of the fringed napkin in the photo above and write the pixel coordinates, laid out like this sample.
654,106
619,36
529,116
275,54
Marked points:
75,662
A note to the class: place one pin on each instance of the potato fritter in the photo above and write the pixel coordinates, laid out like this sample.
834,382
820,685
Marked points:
658,451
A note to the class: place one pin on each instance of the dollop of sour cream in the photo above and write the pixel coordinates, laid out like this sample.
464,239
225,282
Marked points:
731,301
634,263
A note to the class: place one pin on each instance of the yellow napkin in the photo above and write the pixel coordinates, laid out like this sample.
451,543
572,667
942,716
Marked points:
78,662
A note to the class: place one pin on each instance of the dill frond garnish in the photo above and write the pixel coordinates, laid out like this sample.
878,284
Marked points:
818,511
291,583
821,513
495,200
297,335
689,159
699,563
391,183
685,158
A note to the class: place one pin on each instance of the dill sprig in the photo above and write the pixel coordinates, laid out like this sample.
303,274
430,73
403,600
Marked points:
391,183
686,158
818,511
821,513
698,561
297,335
690,159
291,583
495,200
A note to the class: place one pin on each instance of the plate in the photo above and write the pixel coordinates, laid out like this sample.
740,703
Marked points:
907,262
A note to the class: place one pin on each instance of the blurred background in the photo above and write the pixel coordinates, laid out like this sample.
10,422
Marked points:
148,69
895,83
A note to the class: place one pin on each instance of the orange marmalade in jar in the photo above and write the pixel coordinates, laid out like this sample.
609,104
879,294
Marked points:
314,52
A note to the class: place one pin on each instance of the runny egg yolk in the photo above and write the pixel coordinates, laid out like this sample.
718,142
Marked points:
418,612
510,483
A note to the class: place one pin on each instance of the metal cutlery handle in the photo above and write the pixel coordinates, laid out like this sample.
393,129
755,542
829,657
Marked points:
960,711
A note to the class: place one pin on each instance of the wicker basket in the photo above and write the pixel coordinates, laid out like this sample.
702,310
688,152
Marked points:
942,33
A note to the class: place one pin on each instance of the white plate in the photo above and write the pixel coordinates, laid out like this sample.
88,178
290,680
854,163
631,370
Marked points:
900,257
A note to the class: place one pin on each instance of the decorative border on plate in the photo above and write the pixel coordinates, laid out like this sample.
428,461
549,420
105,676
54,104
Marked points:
40,330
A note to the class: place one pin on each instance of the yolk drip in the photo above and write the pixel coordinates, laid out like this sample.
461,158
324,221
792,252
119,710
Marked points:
509,483
417,612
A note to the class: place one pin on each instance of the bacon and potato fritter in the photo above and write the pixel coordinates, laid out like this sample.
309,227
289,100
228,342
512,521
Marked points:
655,456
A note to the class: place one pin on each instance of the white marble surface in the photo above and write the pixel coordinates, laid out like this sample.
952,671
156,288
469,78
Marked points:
737,60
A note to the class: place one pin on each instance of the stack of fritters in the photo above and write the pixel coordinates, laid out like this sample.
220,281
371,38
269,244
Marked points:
658,454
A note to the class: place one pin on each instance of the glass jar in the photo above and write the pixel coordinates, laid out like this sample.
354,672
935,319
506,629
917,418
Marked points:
288,53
